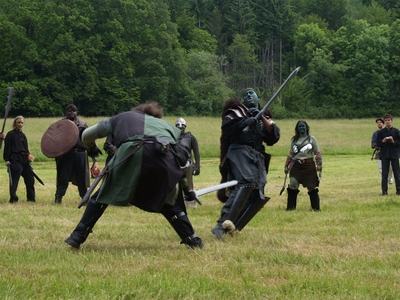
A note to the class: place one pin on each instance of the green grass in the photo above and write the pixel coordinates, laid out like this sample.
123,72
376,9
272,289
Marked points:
348,251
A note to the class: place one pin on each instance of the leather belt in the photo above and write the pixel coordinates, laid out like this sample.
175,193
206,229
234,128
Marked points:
305,160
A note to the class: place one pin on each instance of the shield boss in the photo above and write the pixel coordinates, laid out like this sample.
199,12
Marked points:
59,138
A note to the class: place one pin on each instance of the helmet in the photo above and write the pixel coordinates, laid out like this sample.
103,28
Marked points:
180,123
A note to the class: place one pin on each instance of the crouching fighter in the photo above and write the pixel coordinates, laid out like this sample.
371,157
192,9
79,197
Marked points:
144,171
243,158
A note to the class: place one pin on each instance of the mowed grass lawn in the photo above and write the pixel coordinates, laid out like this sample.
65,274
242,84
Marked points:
350,250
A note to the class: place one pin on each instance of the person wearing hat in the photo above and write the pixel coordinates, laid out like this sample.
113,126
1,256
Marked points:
74,165
189,141
374,145
17,159
243,158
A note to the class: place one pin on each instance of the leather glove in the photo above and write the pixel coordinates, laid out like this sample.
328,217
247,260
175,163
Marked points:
94,151
253,111
196,170
249,122
109,148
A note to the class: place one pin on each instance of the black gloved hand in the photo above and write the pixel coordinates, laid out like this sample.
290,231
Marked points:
94,151
196,170
109,148
253,111
249,122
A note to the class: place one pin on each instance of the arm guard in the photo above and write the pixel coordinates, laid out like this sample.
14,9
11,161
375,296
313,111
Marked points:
196,152
101,129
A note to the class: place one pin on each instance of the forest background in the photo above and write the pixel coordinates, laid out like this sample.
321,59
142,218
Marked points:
106,56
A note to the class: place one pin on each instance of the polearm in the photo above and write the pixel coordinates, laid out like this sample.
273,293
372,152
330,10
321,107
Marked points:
261,112
10,94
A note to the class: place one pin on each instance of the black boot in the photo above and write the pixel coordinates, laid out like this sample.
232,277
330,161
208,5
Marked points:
182,226
235,210
58,199
255,206
291,199
91,215
314,199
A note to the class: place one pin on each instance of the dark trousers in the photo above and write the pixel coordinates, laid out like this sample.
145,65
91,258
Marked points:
386,163
19,169
71,163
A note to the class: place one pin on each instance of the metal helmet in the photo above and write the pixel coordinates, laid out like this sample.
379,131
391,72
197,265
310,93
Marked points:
181,124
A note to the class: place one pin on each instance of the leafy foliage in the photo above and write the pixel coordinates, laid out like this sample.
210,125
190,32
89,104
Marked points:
106,56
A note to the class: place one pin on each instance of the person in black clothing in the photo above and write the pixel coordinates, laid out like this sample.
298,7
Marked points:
18,158
389,143
74,165
374,145
243,158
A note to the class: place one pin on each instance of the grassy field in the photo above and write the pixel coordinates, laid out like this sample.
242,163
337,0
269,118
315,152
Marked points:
348,251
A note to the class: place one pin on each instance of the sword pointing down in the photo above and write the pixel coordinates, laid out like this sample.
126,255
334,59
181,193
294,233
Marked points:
37,177
9,174
284,185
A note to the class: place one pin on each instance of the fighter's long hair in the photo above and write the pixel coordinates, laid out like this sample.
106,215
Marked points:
151,108
297,133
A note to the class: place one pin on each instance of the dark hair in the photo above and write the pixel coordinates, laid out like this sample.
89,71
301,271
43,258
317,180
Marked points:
71,107
379,119
151,108
297,134
388,116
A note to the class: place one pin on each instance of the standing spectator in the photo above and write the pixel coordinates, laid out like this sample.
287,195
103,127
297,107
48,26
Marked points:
144,171
302,167
243,158
18,158
94,170
389,143
74,165
374,145
189,142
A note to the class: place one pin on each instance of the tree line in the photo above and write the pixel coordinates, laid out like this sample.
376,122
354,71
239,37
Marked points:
106,56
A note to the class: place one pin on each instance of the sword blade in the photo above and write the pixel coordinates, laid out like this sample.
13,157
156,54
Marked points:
37,177
217,187
284,185
261,112
9,174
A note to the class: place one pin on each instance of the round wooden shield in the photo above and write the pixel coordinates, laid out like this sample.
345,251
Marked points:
59,138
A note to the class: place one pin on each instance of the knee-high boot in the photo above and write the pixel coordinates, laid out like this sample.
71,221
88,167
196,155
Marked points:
291,199
314,199
182,226
92,214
